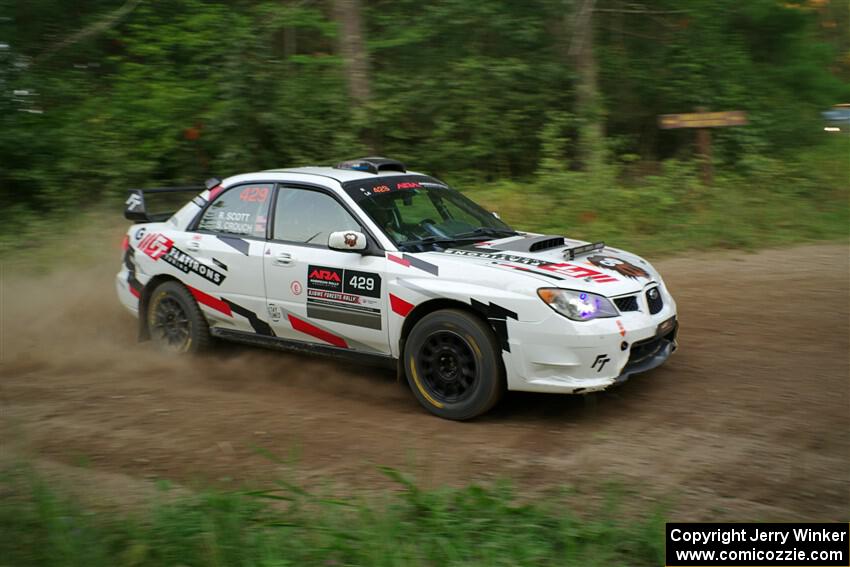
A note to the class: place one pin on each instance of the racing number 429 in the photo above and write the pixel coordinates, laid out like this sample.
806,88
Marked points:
362,282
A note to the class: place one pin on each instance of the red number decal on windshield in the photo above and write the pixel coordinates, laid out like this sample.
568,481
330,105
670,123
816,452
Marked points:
254,194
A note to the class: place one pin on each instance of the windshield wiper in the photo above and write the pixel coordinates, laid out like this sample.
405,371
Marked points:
471,236
488,231
429,240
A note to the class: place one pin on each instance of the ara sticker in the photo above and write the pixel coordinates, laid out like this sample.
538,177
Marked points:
351,297
322,277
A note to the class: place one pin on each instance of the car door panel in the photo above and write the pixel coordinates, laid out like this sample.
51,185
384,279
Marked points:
327,297
316,294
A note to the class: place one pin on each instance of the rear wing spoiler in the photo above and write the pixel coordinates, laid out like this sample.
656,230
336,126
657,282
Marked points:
136,208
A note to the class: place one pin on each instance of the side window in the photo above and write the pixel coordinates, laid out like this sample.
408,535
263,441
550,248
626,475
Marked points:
242,211
306,216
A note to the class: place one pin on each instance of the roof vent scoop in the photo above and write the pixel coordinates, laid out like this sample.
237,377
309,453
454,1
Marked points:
546,244
533,244
372,165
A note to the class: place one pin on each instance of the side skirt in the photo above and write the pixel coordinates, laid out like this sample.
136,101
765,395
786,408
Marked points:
382,360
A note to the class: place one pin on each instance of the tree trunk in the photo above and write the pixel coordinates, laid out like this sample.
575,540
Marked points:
587,102
353,50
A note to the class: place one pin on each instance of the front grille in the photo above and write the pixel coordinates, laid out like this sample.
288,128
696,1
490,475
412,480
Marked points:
654,300
628,303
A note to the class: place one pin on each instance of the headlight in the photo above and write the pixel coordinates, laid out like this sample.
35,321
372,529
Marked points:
577,305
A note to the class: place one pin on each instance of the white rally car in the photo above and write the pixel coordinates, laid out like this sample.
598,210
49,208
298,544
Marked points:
374,262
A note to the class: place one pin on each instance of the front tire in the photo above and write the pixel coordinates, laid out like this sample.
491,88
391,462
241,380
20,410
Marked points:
453,365
175,321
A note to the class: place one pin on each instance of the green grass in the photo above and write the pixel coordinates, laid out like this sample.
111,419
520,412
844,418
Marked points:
289,526
732,218
766,202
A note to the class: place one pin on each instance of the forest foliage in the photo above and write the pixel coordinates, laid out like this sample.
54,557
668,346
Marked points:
102,95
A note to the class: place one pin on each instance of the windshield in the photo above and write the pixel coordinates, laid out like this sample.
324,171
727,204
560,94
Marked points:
423,214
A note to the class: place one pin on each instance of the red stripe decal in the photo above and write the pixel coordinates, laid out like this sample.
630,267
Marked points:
400,306
210,301
134,291
313,331
398,260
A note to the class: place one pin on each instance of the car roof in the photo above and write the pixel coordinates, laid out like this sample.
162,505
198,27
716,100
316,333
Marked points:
366,169
341,175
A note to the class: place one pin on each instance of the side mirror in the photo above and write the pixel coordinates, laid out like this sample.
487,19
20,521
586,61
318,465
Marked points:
347,241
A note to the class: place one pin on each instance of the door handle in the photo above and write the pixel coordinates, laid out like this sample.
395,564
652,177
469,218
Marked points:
193,245
284,259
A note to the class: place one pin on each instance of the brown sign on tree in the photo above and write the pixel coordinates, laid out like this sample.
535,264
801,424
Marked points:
702,120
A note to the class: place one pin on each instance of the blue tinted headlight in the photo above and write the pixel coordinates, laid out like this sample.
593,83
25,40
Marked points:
577,305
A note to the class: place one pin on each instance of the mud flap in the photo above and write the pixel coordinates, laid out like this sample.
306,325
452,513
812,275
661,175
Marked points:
399,367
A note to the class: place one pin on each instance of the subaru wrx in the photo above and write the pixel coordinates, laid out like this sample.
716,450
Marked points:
373,262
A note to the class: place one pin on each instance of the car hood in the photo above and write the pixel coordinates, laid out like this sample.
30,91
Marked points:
603,270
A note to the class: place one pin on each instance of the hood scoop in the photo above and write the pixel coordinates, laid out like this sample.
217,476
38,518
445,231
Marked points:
532,244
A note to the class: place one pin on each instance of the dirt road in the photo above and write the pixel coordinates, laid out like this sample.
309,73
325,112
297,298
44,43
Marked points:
749,420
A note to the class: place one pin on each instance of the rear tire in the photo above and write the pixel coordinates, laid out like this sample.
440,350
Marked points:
175,321
453,365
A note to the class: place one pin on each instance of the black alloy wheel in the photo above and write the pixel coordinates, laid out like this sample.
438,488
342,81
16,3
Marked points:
175,321
448,366
170,325
453,364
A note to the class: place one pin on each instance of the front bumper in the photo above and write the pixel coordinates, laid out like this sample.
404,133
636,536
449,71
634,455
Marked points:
651,354
558,356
